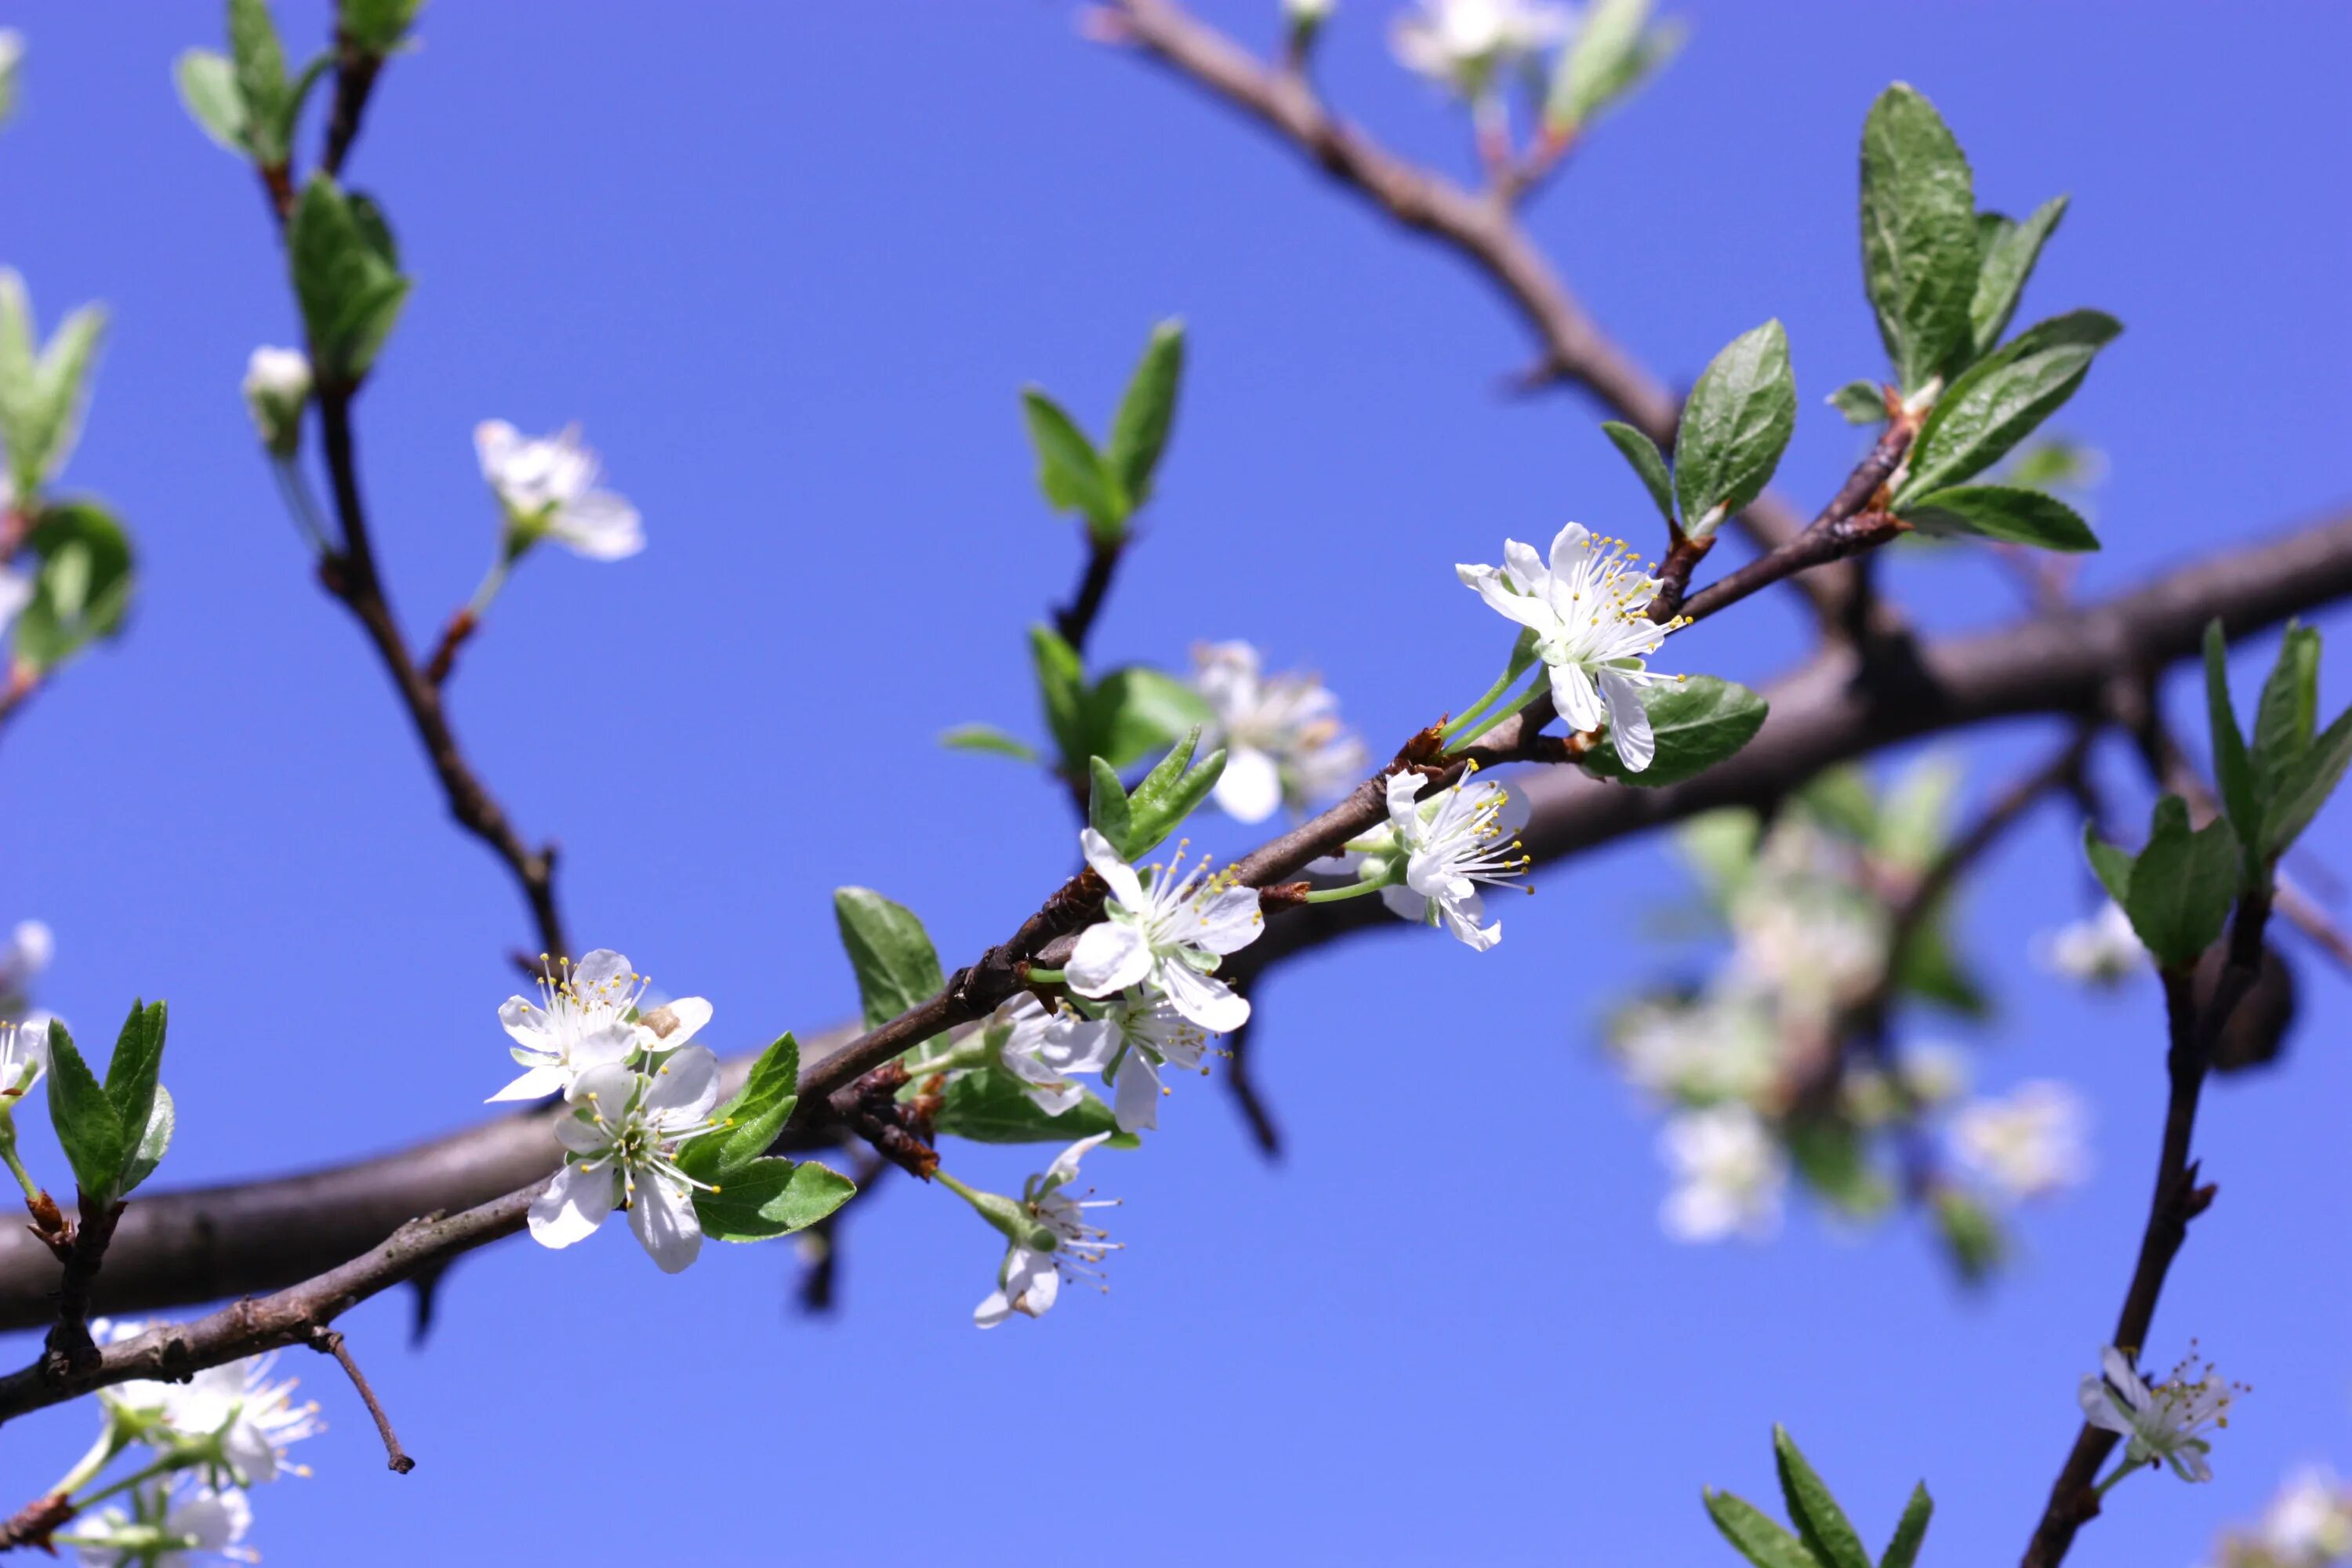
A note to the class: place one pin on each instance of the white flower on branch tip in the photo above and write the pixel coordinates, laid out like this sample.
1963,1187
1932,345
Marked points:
1167,934
2030,1144
1451,844
1142,1032
2103,949
581,1020
1587,607
1730,1174
166,1530
2163,1422
1029,1278
277,388
548,485
1464,44
1282,740
251,1420
621,1145
1042,1048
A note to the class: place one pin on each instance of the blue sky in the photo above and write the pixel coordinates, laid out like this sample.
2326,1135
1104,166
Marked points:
789,266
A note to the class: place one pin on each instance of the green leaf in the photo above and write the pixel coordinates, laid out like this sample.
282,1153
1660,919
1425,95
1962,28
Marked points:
207,83
162,1122
1106,810
1903,1552
1649,463
989,1106
350,291
42,395
1757,1538
1737,424
897,968
88,1126
1061,687
368,217
988,738
2290,708
1918,234
1821,1523
1170,793
1139,434
2001,398
1833,1159
1069,470
771,1197
2002,512
260,64
2182,885
2231,767
1973,1237
138,1060
2112,865
759,1112
1697,723
1613,51
1135,711
2008,254
1862,402
81,591
1931,970
376,27
2305,784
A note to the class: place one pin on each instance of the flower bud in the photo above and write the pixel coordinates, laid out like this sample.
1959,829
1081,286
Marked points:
276,390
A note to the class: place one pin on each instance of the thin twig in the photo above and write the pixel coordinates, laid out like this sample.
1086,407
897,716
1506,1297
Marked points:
1075,620
69,1350
330,1341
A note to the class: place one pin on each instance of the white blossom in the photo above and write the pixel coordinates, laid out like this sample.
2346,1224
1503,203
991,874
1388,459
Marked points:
1141,1033
1282,740
1029,1280
253,1420
24,1054
2030,1144
1587,609
1730,1174
1465,44
277,388
581,1020
166,1530
2163,1422
548,485
2307,1525
622,1142
1043,1048
1451,843
2103,949
1168,934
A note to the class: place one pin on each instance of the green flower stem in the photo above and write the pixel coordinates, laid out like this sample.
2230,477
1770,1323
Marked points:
1353,890
2124,1466
175,1460
110,1442
959,1189
300,504
965,1056
492,580
16,1166
1533,690
1048,977
1522,655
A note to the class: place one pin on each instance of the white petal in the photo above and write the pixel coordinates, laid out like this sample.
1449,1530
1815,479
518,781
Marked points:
614,1042
993,1309
1064,1168
665,1222
601,526
1079,1045
1136,1103
529,1027
1629,721
685,1086
1520,607
495,441
575,1204
1572,695
1404,901
692,1013
602,971
1226,922
1250,789
1125,885
2099,1407
608,1085
1208,1002
1110,956
536,1084
1569,548
1405,810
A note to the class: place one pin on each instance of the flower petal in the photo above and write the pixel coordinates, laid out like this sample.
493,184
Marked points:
1228,922
685,1086
536,1084
575,1203
664,1220
1208,1002
1136,1103
1110,956
1250,789
1126,887
599,525
1629,721
1572,695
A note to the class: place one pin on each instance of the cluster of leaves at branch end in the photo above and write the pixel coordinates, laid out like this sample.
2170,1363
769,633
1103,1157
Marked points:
114,1132
375,26
753,1195
244,100
1137,822
1617,47
1823,1536
2272,787
1107,486
1735,427
1129,713
347,278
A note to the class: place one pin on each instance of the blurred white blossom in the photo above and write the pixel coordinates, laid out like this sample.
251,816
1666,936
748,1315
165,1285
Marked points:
547,486
2030,1144
1466,45
1282,739
2100,950
1729,1174
250,1421
2307,1525
165,1529
277,389
2165,1422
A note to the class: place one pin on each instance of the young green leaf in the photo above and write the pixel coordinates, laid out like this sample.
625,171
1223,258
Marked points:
42,395
1697,723
1649,463
153,1144
1169,793
2002,512
81,591
2003,398
990,739
1903,1552
207,83
1106,807
1135,711
1820,1524
1613,51
1862,402
138,1060
2290,708
375,26
1061,687
989,1106
2231,766
771,1197
1736,425
2305,784
1918,234
260,64
759,1112
89,1127
2112,865
897,968
350,291
1139,433
2007,254
1069,470
2182,885
1756,1538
